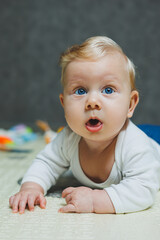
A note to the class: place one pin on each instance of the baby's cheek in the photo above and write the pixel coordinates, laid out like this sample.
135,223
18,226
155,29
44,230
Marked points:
70,115
74,120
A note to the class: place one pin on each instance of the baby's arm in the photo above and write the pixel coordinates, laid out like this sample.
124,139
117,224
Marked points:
30,194
86,200
42,174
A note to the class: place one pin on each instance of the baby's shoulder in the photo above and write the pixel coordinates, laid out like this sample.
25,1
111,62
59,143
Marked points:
132,140
69,135
133,136
68,138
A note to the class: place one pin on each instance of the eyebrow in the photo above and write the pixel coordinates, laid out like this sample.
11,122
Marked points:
75,80
113,78
110,79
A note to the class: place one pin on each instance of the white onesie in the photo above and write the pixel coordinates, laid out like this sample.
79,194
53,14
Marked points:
135,176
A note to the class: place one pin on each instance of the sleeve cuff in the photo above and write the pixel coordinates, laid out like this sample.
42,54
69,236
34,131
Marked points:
115,200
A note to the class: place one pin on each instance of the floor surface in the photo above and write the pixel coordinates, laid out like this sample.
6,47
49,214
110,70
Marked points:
49,224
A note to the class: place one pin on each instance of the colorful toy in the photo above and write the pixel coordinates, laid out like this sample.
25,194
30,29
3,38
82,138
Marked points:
6,140
49,134
16,135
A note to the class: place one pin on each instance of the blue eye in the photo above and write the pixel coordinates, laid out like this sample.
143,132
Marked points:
80,91
108,90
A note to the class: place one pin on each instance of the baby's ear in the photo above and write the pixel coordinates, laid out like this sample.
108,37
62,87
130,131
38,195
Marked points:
61,97
134,99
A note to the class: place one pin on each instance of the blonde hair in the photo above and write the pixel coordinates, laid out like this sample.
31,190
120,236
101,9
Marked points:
95,48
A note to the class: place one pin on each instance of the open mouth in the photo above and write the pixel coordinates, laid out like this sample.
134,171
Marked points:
94,125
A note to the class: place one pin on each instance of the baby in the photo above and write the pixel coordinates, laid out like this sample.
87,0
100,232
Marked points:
117,164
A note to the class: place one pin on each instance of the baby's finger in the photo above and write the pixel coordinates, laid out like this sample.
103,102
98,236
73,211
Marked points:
11,199
42,201
67,191
22,205
70,208
31,202
68,198
15,204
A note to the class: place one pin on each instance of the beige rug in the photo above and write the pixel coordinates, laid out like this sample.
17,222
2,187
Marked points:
49,224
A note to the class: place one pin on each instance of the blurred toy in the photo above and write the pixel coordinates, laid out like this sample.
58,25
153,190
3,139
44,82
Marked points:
16,135
5,140
5,143
22,133
60,129
49,134
6,148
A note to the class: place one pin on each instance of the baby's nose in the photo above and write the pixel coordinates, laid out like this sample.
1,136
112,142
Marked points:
93,103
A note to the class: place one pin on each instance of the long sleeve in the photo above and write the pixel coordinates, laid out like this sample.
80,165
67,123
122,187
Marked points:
140,168
50,163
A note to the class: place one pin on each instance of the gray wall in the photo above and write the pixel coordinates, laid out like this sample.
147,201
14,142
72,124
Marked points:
33,34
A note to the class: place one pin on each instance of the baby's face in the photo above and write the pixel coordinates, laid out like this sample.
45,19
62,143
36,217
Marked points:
97,96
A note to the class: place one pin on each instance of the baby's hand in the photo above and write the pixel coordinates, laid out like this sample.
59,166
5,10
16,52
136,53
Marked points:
78,200
30,195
